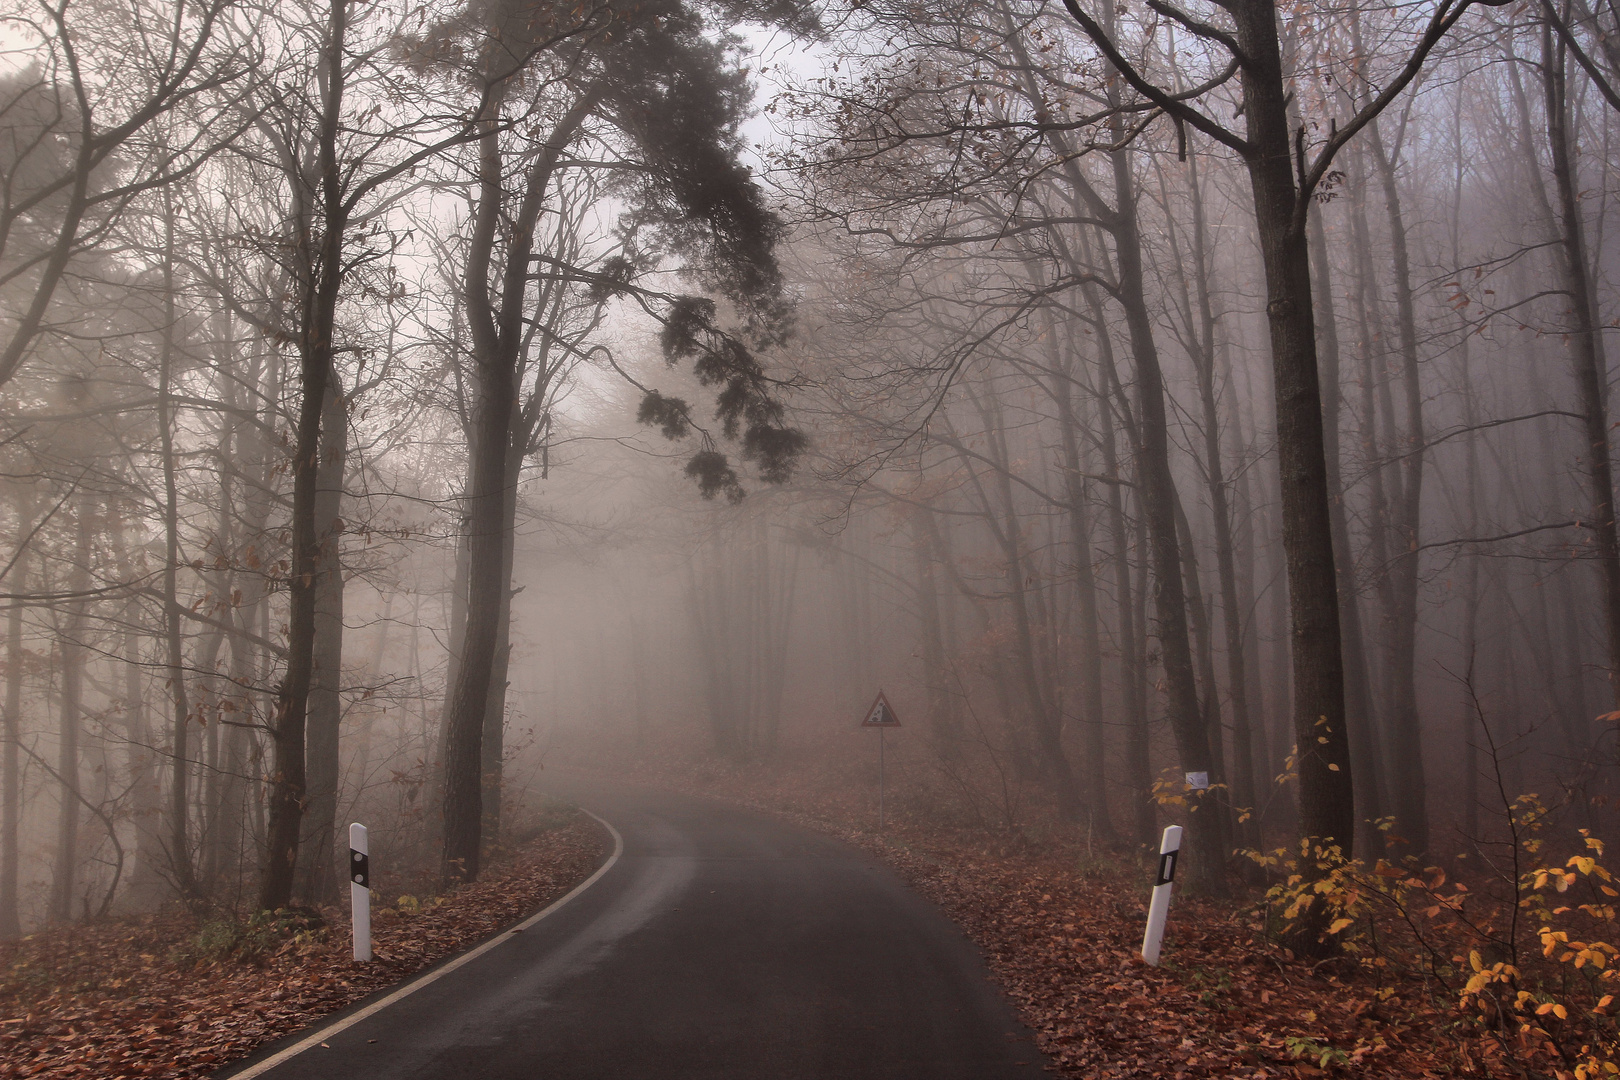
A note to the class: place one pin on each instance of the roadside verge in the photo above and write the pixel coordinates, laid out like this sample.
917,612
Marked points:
145,997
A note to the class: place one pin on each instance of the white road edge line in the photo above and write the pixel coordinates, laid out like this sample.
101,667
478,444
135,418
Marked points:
416,984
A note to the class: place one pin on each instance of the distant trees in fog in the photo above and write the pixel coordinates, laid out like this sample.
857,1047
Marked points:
1165,392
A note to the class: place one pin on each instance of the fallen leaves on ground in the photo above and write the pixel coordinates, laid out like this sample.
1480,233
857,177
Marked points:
126,999
1061,929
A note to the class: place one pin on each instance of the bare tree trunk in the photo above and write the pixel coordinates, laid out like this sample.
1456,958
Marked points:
497,339
944,720
1407,781
457,634
1090,629
318,316
1243,780
226,838
71,660
318,866
706,597
179,839
494,740
1208,839
1327,808
1374,394
1357,686
1045,720
1132,658
1586,347
1198,612
1244,551
1326,800
147,886
10,763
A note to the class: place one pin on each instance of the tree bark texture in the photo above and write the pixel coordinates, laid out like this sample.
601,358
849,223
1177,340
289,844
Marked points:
1586,348
1364,770
318,313
1209,840
1408,784
1326,800
10,752
71,657
179,832
318,862
496,324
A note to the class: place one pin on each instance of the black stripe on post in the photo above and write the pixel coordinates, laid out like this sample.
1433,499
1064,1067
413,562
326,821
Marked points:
360,869
1167,868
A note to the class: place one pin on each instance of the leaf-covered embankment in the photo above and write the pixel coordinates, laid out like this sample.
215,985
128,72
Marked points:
1061,922
179,996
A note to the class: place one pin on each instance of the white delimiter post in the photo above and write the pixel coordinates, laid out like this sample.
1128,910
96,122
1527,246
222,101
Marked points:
1159,907
360,890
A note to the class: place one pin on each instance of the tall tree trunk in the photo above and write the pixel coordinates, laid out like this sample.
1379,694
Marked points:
1468,715
944,722
318,316
1326,800
1198,612
494,740
147,887
495,356
179,839
1046,720
496,325
1407,780
1209,839
71,658
318,864
1243,779
456,631
1085,577
1244,549
226,838
10,752
1586,347
1364,760
1376,420
1132,657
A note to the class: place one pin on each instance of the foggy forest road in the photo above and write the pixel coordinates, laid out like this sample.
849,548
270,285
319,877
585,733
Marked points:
722,945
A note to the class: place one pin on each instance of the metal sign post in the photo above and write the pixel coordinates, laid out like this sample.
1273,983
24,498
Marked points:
1159,907
360,890
881,716
882,782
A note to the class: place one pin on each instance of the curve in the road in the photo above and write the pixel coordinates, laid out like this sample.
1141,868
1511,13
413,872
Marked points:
717,944
261,1065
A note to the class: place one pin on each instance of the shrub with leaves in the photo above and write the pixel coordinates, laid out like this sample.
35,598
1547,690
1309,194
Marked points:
255,939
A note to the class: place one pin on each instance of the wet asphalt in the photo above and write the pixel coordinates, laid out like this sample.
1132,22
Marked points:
721,945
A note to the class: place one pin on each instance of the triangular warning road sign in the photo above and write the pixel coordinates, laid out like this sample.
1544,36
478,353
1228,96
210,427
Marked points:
881,714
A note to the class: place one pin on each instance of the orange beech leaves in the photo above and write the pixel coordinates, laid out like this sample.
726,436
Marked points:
1061,928
130,998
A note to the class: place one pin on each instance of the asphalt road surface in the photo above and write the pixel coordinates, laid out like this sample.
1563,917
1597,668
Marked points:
720,945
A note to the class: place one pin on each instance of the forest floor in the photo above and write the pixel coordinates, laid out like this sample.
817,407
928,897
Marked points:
1061,927
179,995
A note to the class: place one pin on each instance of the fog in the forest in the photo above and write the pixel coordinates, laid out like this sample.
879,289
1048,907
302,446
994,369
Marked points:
402,403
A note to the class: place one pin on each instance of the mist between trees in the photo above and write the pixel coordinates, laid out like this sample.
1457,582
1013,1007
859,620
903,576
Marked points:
403,399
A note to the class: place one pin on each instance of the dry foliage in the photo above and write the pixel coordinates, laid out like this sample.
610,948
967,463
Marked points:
179,996
1061,926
